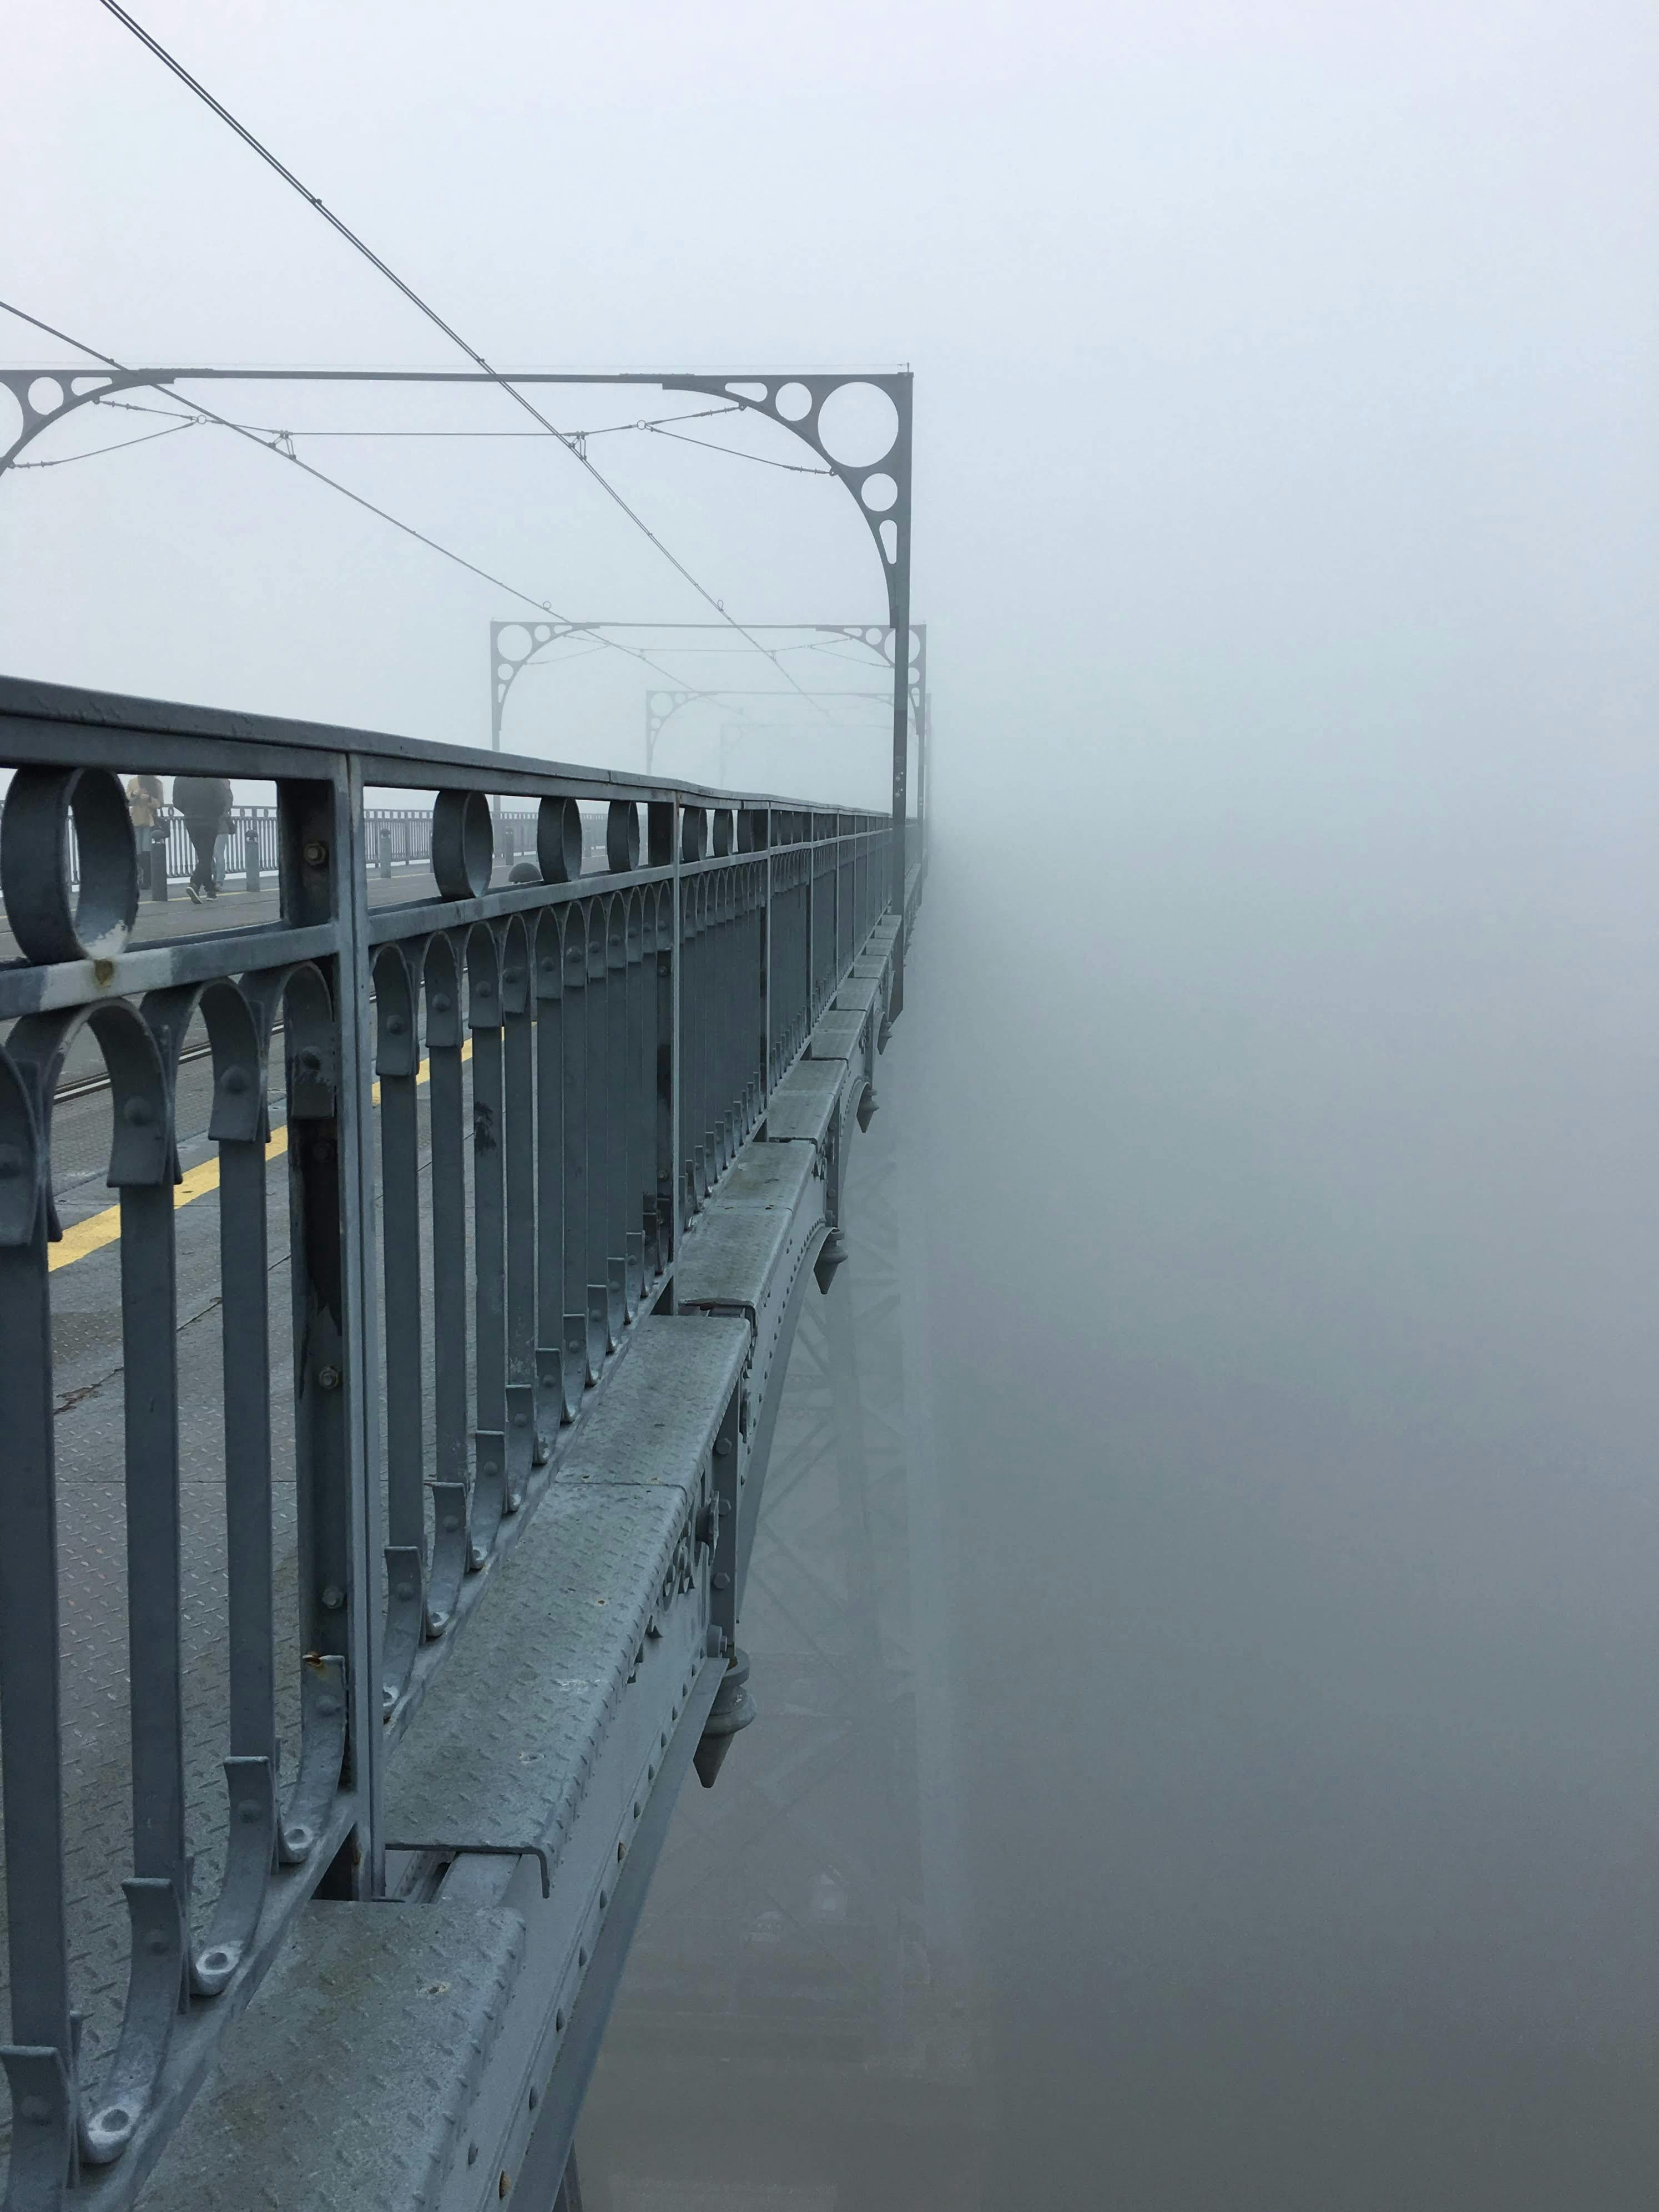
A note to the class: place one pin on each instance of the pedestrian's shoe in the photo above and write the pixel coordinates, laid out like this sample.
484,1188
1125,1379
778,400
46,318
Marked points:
195,895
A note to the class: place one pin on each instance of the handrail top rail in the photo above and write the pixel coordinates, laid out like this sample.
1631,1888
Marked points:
62,723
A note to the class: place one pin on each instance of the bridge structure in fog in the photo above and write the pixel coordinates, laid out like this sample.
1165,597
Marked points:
357,1634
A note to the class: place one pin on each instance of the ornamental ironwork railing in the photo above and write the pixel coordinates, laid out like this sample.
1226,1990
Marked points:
503,1100
395,841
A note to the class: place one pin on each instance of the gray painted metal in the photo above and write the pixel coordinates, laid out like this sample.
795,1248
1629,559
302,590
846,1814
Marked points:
351,2081
879,484
516,1594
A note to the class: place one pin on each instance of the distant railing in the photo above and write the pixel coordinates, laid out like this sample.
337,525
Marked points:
593,1049
395,840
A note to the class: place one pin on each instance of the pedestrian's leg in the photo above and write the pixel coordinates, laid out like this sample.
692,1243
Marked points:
201,838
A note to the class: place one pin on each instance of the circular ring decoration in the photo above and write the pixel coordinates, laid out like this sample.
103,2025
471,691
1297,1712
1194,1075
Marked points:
723,840
622,837
51,919
694,833
463,844
559,840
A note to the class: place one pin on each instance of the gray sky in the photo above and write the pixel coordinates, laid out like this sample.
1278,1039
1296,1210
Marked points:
1282,372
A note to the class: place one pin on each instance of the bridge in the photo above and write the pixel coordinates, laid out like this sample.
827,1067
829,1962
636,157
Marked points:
356,1642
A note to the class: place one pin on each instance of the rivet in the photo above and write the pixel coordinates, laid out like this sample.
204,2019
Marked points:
248,1811
328,1378
440,1002
315,853
236,1081
137,1113
37,2110
156,1944
405,1591
326,1708
333,1597
395,1025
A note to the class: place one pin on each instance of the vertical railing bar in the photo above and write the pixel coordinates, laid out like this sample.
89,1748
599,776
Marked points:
559,1377
31,1746
518,1001
675,1058
245,1285
488,1241
445,1110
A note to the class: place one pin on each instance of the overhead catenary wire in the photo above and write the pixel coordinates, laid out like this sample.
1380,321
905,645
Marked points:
601,430
63,460
360,246
270,445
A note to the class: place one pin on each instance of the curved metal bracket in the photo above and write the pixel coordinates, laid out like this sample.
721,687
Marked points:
66,392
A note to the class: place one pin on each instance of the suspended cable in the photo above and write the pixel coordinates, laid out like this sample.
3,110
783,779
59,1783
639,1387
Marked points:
63,460
603,430
202,413
360,246
765,460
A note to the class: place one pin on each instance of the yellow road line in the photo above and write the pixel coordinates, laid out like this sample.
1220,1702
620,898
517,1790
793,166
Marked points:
99,1230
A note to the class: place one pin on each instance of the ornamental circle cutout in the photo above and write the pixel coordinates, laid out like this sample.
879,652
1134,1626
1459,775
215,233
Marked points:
858,425
463,844
52,916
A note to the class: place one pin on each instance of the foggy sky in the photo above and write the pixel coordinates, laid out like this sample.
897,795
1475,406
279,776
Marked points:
1283,1024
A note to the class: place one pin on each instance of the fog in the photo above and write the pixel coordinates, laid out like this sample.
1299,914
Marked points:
1275,1096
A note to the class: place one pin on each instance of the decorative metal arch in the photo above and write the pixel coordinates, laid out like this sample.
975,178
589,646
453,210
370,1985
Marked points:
880,486
505,671
662,705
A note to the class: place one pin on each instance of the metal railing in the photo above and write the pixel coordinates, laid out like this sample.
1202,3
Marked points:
395,841
591,1050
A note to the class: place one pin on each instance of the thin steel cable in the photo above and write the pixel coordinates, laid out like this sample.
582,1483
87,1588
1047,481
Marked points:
268,444
64,460
763,460
360,246
603,430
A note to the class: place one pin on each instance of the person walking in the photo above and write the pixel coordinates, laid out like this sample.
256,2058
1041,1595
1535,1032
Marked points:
144,803
205,803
